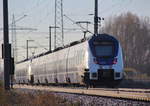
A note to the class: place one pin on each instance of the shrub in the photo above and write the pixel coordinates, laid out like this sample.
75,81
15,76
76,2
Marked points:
1,83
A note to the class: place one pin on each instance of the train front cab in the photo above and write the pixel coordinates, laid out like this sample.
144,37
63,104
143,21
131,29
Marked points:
105,60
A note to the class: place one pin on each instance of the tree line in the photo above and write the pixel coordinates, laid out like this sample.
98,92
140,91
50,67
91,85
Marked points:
134,34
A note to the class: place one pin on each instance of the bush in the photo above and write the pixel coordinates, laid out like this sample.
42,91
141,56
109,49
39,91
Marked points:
1,83
27,98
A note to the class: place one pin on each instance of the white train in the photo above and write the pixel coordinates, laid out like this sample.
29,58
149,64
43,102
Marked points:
96,60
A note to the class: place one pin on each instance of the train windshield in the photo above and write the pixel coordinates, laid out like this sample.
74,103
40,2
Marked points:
104,49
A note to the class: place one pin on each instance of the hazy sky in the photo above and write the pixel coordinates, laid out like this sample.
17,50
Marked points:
40,14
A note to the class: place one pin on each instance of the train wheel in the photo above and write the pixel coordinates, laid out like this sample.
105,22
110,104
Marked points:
32,79
86,79
87,86
68,80
46,81
38,82
56,81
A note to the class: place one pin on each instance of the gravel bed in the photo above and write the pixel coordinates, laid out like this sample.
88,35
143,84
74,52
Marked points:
99,101
84,100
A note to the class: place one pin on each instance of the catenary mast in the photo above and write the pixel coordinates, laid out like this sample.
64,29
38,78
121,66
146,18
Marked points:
96,18
58,32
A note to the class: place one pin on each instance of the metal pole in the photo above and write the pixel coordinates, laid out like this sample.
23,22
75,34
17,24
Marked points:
84,34
50,38
27,48
12,35
62,23
50,28
96,18
55,25
87,23
6,47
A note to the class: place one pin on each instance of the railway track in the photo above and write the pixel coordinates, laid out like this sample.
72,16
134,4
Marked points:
119,93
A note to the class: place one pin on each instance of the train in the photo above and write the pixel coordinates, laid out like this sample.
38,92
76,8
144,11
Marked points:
92,61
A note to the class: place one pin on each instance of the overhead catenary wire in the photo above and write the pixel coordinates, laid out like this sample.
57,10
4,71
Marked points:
83,29
37,43
43,18
38,7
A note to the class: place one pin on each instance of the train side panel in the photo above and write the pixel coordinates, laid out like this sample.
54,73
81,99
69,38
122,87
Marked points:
76,63
64,66
21,73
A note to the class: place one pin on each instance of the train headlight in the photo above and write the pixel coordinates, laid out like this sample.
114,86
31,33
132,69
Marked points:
115,61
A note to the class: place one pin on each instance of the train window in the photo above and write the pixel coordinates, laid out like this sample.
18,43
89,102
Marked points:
104,50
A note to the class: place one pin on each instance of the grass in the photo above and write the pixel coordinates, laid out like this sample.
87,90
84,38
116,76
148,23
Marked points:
134,74
19,98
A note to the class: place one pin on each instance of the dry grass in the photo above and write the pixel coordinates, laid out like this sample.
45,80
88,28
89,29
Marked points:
19,98
131,73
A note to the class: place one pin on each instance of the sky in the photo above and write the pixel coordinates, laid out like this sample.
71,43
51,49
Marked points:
40,15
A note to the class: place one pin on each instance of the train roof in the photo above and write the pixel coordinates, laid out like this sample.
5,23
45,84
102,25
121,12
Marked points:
101,36
57,49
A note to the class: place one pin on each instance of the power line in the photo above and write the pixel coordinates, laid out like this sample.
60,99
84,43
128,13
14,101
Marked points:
14,36
38,43
79,25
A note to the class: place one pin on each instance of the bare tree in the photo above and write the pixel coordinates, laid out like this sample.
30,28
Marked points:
134,35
